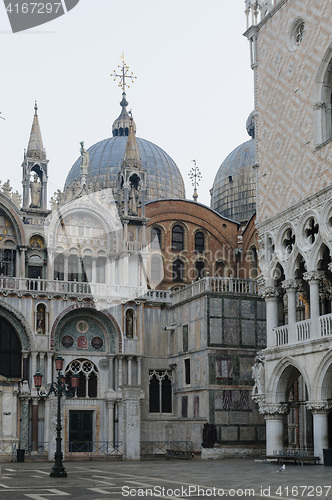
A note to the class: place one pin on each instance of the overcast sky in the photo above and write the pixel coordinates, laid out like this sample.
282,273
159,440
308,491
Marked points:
192,97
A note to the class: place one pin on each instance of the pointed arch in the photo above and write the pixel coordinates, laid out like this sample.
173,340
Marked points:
284,373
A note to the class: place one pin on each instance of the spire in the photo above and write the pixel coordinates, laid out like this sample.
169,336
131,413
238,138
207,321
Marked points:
132,157
35,146
122,123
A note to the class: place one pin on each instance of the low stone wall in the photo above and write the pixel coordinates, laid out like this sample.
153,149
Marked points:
224,452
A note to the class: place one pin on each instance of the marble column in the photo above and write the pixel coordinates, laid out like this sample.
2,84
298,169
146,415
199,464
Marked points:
34,424
139,370
319,411
65,266
110,415
291,287
24,428
131,422
271,295
129,370
110,373
22,266
313,279
274,419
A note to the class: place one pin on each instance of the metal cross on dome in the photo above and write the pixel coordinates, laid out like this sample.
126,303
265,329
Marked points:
195,177
124,75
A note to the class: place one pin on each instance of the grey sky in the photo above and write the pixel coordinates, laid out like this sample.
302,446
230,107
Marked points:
192,97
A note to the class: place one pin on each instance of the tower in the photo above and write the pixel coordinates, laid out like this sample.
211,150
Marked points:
34,175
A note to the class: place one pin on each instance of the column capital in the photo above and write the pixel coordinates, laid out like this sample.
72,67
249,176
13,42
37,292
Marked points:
274,411
290,285
313,276
270,292
319,406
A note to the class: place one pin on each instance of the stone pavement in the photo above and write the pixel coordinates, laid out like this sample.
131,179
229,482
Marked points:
169,479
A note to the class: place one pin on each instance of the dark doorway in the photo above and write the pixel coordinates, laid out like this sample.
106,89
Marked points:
80,431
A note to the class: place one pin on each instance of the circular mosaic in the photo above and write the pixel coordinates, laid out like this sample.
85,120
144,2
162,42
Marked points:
82,326
97,342
67,341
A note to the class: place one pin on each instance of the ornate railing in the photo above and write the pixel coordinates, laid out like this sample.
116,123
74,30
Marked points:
221,285
70,288
303,330
325,325
281,334
90,449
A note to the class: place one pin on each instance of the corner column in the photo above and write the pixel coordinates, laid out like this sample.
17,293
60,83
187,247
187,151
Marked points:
319,410
313,278
291,287
271,296
274,418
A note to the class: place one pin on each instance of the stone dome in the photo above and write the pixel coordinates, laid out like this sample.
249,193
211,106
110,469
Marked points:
163,178
233,193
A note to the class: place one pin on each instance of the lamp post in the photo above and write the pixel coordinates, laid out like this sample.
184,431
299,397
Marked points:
59,389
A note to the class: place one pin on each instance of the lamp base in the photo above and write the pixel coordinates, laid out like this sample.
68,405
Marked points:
58,471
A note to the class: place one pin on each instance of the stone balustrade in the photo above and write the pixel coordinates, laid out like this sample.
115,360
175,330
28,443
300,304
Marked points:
303,329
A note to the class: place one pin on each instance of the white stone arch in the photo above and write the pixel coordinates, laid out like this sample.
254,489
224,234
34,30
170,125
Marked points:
323,104
286,371
322,381
325,223
318,254
293,262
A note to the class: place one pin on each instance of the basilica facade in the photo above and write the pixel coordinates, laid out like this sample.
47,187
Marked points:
150,299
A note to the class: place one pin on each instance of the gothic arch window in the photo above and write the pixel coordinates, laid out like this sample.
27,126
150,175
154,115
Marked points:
178,238
199,242
88,374
8,262
160,391
155,238
10,351
178,270
130,323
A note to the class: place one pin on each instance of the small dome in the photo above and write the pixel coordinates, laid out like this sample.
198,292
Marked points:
233,193
163,178
122,123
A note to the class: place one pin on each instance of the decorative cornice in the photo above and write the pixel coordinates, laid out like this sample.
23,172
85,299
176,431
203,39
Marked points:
295,211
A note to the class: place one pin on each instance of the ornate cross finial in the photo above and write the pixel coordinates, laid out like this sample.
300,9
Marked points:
124,74
195,177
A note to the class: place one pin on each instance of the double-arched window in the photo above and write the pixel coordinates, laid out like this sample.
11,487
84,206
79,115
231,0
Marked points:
88,375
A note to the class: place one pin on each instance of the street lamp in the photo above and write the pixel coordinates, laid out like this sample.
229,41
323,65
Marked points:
58,388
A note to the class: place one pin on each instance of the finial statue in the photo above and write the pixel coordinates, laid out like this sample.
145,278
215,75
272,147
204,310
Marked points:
35,187
258,374
84,159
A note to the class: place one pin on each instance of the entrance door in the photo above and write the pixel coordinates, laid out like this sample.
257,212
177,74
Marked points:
80,431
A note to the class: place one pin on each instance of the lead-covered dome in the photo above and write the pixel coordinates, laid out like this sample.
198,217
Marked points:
233,193
163,178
